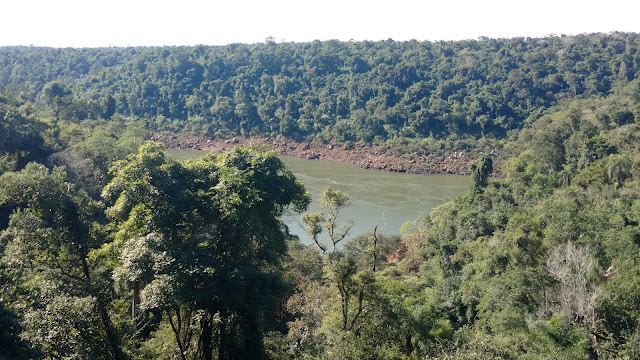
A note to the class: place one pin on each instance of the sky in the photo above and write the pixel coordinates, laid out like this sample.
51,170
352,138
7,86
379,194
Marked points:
102,23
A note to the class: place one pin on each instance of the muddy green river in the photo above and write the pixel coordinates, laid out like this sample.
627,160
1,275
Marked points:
377,197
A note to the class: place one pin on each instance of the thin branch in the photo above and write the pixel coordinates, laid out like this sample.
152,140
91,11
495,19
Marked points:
176,332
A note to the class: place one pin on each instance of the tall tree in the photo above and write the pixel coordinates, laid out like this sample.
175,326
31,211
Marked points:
51,232
201,241
480,171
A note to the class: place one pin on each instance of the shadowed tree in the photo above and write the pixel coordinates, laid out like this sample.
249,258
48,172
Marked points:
51,232
480,171
201,241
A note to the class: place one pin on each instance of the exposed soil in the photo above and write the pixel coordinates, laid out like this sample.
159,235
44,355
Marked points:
365,156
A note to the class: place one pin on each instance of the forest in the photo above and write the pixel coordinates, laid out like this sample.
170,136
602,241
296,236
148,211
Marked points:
332,90
111,249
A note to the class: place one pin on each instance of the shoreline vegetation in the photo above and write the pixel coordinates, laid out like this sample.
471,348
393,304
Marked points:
374,157
110,249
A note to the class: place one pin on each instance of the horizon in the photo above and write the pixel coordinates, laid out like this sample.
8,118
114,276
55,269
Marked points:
144,23
268,38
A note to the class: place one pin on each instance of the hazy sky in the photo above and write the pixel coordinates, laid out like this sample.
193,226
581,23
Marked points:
92,23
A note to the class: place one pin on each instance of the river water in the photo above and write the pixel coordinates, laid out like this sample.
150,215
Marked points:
377,197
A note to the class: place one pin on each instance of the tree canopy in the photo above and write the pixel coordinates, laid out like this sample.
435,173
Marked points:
111,249
343,91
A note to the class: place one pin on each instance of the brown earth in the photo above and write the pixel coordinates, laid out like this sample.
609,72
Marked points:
366,157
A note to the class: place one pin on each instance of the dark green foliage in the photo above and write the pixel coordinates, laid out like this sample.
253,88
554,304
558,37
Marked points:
480,171
161,259
94,151
345,91
200,241
21,138
66,107
540,265
199,244
11,345
51,231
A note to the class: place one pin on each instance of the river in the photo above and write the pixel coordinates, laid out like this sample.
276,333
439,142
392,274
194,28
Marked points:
377,197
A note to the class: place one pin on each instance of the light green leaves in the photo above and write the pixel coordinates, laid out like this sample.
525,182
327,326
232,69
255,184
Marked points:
332,202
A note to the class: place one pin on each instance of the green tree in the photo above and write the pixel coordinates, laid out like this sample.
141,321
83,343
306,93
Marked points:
21,138
332,202
480,171
201,242
51,233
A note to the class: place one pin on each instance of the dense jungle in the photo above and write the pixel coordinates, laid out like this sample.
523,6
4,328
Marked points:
111,249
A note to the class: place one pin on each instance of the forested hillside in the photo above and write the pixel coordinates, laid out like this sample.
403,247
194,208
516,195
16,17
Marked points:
110,249
343,91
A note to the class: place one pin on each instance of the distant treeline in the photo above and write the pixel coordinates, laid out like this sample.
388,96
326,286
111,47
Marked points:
332,90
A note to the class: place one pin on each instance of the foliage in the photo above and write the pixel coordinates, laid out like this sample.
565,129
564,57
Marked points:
199,241
539,258
332,202
109,249
47,243
343,91
480,171
21,138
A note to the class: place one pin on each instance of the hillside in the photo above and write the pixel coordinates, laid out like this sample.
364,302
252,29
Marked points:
340,91
110,249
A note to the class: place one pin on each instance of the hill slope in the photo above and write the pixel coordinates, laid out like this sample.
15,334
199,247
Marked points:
343,91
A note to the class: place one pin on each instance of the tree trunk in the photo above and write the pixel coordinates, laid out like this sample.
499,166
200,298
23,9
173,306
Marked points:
375,246
253,342
408,344
177,332
206,325
114,340
222,336
134,305
112,337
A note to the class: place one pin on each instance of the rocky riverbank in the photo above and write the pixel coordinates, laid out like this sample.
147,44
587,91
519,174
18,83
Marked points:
366,157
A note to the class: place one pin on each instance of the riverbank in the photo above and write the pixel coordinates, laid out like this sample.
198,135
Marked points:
367,157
